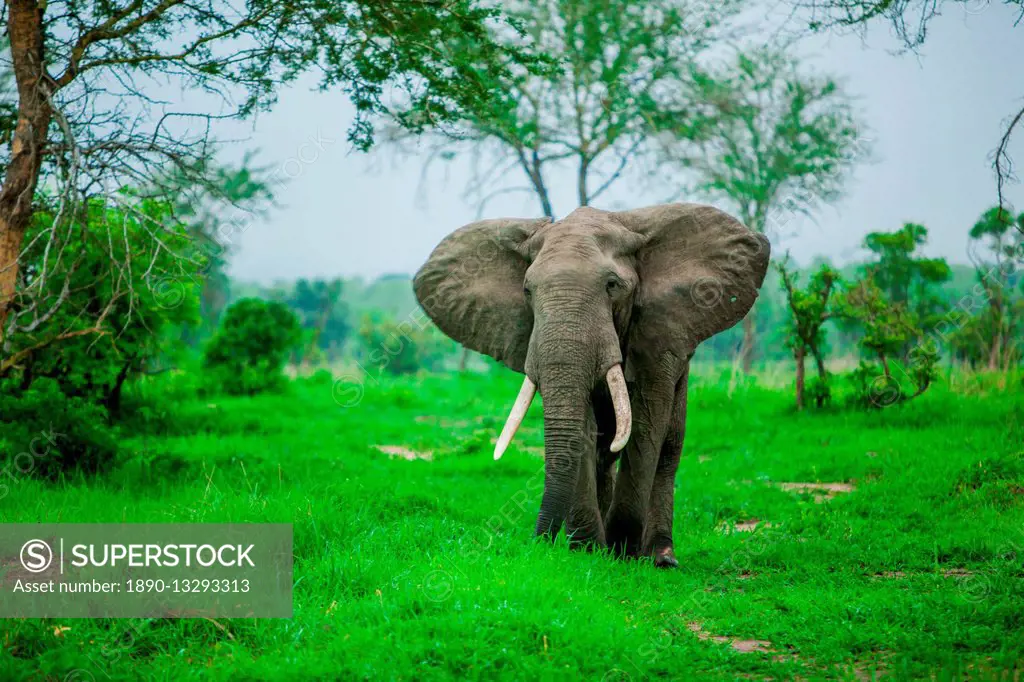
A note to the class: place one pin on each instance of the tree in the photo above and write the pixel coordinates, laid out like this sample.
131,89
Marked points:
997,251
85,124
809,310
396,348
622,77
252,345
888,328
906,276
784,142
321,313
895,307
112,323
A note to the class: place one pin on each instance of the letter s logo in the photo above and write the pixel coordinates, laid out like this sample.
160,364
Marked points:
36,556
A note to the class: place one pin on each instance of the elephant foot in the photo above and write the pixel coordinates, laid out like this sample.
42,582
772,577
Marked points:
664,557
624,538
587,539
585,544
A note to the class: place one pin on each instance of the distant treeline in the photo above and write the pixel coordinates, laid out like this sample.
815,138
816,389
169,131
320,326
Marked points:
343,305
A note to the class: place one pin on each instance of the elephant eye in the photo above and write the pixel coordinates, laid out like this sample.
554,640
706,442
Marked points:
614,284
527,292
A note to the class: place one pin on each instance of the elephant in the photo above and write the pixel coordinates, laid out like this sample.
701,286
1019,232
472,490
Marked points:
621,296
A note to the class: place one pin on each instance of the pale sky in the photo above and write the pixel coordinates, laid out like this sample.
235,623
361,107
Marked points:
935,119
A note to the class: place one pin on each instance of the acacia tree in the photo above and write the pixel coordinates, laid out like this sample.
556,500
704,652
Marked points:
784,142
894,306
809,311
887,328
904,274
622,71
86,122
91,362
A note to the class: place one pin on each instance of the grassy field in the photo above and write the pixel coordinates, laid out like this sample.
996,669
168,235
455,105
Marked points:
414,557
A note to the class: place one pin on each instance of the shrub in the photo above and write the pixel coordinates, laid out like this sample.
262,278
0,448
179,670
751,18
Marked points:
248,352
391,347
45,433
819,392
882,385
890,331
109,316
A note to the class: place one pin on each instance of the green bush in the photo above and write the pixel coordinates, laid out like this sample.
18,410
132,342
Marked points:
818,391
877,385
248,352
390,347
115,321
45,433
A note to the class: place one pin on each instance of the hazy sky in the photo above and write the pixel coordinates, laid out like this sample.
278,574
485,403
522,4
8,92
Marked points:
935,119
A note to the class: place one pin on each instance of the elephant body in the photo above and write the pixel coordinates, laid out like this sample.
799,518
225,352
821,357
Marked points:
621,296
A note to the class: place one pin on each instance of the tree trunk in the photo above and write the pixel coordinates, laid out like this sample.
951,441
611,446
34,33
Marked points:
542,194
799,353
318,330
581,182
533,171
10,246
25,32
113,400
819,362
993,355
995,350
747,349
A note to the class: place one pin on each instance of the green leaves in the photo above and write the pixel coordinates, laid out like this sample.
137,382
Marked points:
775,135
98,294
906,277
394,348
897,310
250,348
887,326
619,75
809,307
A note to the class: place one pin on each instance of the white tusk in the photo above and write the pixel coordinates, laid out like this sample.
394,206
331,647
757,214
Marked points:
620,400
515,417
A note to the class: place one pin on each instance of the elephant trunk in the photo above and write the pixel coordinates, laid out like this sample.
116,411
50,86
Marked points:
574,346
565,439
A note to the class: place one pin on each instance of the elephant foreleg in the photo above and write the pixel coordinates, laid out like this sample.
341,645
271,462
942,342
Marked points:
651,405
658,528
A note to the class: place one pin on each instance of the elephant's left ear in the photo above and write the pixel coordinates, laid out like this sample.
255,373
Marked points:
700,270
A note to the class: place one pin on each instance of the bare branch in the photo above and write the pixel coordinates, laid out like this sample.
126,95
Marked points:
1003,163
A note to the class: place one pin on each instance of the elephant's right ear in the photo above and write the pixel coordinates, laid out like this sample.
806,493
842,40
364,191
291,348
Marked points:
472,288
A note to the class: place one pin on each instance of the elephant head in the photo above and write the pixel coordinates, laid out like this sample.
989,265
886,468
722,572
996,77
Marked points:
569,303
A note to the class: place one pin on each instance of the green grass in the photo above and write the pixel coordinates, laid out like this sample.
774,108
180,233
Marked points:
427,569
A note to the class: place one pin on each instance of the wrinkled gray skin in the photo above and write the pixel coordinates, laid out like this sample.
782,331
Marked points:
563,302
